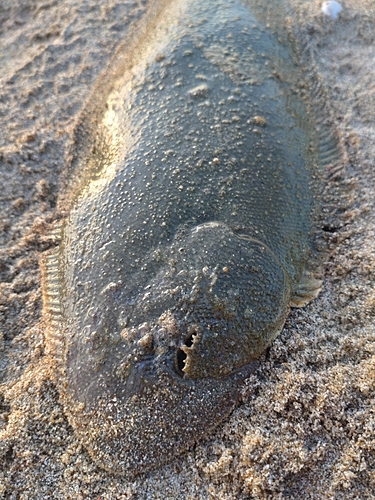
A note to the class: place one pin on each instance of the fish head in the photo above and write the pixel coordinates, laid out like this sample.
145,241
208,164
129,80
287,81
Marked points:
236,305
218,302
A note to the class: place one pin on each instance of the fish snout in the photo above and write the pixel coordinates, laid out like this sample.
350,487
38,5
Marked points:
236,303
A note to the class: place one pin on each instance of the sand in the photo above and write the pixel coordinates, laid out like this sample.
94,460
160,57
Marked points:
305,425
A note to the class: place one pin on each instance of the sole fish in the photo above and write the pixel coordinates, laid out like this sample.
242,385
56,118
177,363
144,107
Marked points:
188,235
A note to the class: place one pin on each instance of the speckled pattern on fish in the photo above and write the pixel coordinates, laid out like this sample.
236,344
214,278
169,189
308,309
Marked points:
186,243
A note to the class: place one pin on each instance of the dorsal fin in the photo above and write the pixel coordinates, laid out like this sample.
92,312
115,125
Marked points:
332,160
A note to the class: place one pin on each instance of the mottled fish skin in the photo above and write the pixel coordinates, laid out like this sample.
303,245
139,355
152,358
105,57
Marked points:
185,244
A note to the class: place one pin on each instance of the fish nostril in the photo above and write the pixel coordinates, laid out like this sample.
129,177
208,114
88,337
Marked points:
189,340
181,355
180,362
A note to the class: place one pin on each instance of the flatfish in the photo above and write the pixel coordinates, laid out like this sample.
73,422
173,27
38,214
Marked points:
188,233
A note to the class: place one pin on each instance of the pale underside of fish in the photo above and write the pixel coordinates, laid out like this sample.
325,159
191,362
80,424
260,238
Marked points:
188,236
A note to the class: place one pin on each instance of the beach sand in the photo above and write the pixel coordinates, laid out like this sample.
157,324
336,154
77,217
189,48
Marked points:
305,425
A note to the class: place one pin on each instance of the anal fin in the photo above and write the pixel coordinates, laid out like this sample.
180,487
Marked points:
52,313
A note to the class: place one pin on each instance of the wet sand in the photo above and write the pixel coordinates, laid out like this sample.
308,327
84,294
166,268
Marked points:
305,425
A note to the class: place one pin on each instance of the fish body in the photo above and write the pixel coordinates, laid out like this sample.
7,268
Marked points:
187,241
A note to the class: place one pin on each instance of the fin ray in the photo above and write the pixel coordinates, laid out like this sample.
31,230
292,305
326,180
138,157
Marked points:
52,313
307,289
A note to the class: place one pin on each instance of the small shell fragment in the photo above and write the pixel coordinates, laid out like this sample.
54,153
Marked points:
331,9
